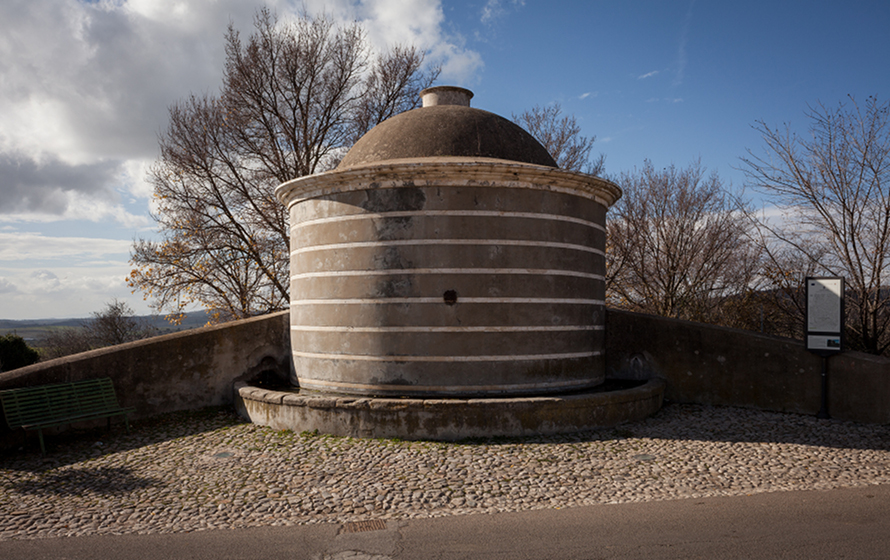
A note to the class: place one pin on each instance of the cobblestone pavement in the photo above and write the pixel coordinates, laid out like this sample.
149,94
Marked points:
208,469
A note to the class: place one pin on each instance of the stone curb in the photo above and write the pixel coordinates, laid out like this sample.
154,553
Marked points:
447,419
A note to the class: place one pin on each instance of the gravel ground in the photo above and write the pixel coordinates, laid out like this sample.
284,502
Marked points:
208,469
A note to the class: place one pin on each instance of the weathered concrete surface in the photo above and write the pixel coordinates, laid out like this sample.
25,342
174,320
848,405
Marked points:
447,256
447,419
721,366
179,371
438,278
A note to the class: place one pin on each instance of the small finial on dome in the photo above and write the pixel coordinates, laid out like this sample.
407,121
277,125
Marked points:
446,95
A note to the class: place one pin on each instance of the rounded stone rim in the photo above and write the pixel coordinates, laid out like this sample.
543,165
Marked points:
449,171
371,416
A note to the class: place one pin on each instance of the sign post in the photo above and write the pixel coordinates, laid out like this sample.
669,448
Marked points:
825,325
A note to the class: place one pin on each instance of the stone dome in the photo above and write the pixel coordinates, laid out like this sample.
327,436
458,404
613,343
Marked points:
446,126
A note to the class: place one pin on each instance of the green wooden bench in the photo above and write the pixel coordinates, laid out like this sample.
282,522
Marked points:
44,406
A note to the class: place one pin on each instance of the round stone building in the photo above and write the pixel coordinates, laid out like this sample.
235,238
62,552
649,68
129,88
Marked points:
447,256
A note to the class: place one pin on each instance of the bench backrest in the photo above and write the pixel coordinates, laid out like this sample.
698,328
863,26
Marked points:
46,403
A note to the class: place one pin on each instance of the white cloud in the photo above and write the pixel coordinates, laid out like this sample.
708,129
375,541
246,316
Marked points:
681,49
421,23
134,175
86,85
7,287
496,9
587,94
42,276
84,90
20,246
649,74
65,291
39,184
391,22
666,100
80,206
87,78
458,66
42,281
782,217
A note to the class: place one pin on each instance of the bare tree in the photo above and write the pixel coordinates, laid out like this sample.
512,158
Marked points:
834,187
778,305
115,324
675,245
295,95
561,136
64,341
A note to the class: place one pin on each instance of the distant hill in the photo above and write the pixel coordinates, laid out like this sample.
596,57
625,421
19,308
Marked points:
35,329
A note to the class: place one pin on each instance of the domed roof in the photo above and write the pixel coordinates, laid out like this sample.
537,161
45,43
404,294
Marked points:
442,128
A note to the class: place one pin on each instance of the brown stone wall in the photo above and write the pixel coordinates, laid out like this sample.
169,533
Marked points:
187,370
720,366
701,364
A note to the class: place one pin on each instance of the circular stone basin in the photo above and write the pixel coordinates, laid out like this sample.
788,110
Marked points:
448,419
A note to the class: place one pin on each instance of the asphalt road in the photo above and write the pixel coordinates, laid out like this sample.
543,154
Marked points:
811,525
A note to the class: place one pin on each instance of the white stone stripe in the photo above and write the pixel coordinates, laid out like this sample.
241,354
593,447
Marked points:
460,213
423,329
405,271
439,300
409,242
505,358
444,389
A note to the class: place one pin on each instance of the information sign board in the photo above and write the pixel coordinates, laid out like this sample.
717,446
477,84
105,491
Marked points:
825,315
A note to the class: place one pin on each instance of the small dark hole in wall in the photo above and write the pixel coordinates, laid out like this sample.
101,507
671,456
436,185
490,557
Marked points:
450,297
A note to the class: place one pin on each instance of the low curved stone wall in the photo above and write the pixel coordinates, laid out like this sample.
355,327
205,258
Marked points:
447,419
699,363
720,366
179,371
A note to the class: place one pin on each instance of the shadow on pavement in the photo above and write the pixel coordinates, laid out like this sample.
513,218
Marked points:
730,425
105,481
673,422
79,445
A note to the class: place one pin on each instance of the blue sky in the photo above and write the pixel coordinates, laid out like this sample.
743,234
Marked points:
86,85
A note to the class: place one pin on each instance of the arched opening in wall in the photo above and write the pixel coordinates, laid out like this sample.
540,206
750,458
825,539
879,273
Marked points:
268,374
